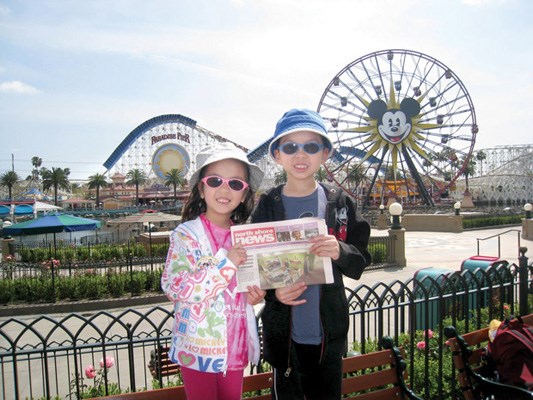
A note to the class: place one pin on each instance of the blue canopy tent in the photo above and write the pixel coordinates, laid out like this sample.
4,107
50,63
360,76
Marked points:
54,223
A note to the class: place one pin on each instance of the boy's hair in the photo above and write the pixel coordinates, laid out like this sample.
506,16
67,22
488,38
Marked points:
195,205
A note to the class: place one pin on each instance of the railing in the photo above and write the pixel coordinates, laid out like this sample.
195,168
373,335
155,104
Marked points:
498,236
382,250
46,357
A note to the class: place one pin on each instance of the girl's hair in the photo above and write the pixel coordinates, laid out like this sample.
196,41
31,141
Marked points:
196,205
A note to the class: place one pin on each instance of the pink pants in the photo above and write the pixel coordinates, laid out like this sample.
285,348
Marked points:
215,386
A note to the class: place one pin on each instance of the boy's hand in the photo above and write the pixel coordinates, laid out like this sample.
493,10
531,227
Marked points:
289,295
255,295
325,246
237,254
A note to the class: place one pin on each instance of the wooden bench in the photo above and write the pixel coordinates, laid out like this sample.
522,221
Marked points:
374,376
161,365
467,352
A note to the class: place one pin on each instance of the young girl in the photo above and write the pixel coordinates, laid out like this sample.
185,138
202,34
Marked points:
214,334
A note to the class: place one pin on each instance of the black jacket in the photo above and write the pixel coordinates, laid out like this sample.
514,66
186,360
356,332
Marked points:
353,233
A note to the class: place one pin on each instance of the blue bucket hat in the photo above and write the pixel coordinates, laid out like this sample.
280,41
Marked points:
297,120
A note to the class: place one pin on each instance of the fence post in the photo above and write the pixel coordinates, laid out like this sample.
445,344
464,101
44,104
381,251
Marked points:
131,358
398,242
52,270
130,265
523,283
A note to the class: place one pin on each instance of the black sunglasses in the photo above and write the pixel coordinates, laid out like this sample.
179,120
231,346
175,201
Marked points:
309,147
216,181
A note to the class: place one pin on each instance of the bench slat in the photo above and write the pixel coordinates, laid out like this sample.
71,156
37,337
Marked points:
369,380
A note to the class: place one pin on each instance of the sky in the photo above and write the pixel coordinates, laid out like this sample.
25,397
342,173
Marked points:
77,76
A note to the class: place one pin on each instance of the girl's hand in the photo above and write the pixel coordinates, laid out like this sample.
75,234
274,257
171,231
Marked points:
289,295
255,295
237,254
325,246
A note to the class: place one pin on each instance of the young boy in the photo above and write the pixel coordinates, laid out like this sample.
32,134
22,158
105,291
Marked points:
305,327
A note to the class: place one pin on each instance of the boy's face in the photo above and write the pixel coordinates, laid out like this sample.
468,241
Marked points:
301,165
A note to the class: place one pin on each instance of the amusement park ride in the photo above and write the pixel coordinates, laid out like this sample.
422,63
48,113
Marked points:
402,124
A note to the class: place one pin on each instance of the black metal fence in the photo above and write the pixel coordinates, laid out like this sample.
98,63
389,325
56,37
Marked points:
47,357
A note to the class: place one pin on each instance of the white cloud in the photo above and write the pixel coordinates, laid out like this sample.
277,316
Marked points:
483,2
4,10
17,87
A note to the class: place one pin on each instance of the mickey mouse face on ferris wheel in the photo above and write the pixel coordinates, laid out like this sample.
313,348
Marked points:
394,125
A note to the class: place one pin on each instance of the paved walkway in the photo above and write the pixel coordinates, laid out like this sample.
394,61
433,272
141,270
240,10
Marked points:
447,250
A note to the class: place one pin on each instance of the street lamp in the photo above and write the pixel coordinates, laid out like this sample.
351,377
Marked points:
395,210
527,209
381,208
457,207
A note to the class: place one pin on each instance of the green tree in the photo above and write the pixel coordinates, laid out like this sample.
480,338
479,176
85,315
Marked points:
280,178
9,179
136,177
321,175
481,156
57,178
355,175
36,162
97,181
174,179
469,169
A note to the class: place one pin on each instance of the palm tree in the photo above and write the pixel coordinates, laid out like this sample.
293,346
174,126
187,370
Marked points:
321,175
97,181
469,170
481,156
36,162
9,179
57,178
174,178
280,178
355,175
136,177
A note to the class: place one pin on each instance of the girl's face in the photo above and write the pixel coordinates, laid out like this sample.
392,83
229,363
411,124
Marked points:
222,200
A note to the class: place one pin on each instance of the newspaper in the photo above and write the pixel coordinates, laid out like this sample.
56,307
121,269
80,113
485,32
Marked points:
278,254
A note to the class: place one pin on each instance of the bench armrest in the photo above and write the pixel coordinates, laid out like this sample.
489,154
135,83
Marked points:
388,343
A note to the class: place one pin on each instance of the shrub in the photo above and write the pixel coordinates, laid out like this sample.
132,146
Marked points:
6,291
138,283
116,284
94,286
378,251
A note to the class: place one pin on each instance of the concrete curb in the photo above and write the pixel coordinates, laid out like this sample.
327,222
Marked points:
80,306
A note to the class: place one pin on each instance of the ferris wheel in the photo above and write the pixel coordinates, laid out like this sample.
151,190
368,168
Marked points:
402,125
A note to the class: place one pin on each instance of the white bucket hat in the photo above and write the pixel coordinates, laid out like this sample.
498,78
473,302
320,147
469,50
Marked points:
223,151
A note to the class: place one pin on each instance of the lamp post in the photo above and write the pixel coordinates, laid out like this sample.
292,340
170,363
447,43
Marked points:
382,218
527,209
457,207
397,234
395,210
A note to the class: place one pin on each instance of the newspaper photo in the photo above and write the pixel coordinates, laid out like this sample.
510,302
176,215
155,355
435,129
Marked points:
278,254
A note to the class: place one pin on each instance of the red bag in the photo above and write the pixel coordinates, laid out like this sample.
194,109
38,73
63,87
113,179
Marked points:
512,353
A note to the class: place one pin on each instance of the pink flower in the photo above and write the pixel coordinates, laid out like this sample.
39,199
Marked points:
429,333
421,345
90,371
506,307
109,362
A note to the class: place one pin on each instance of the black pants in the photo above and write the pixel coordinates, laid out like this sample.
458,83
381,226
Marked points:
309,378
